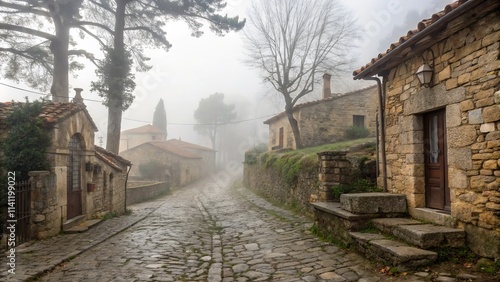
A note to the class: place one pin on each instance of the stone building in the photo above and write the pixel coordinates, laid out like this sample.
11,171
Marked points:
181,166
207,155
326,120
443,137
84,182
139,135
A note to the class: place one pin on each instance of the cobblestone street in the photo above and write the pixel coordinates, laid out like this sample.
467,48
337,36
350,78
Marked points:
201,233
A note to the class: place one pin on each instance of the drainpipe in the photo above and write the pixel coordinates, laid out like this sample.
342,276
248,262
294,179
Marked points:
382,127
377,161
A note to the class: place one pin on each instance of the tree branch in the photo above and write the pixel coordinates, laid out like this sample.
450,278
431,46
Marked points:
82,23
24,9
84,53
26,30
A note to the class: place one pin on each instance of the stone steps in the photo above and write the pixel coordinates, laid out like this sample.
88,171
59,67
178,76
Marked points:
407,242
75,221
395,253
425,236
84,226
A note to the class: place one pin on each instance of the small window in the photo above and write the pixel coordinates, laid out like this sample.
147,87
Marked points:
280,137
153,137
358,121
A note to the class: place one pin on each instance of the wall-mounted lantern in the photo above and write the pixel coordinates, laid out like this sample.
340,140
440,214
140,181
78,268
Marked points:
425,72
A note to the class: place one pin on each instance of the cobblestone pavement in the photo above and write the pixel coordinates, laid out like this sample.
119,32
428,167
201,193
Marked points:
199,233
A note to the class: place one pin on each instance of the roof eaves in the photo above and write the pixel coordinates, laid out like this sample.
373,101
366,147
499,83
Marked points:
424,28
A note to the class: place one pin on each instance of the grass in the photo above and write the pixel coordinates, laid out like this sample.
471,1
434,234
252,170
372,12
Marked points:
109,215
328,238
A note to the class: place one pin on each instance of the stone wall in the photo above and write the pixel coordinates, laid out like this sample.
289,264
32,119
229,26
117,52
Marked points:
141,194
466,85
325,121
314,181
45,207
334,169
271,182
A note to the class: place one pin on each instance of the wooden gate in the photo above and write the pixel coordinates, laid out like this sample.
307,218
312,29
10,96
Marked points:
23,211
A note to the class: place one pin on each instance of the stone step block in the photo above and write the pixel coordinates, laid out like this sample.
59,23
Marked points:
381,203
75,221
84,226
427,236
387,225
395,253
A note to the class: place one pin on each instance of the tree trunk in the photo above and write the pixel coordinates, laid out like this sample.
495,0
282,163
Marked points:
114,127
60,81
295,127
59,48
115,97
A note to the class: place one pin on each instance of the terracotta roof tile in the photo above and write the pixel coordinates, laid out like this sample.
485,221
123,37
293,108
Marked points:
184,144
172,149
421,26
111,158
52,112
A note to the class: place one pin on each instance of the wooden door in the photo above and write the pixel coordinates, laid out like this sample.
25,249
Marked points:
74,187
437,192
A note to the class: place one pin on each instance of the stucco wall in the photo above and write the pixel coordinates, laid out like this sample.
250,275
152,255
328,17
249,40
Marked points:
465,84
128,141
275,125
183,170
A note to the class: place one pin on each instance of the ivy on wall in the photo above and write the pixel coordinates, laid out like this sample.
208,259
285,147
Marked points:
24,148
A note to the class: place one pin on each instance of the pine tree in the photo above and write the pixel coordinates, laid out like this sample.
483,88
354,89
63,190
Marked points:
160,117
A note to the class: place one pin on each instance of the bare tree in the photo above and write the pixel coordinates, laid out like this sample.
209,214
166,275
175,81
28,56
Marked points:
290,41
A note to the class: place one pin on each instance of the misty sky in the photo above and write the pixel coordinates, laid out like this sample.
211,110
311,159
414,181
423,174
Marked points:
194,68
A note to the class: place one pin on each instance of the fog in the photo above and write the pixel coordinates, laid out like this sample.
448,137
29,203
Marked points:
195,68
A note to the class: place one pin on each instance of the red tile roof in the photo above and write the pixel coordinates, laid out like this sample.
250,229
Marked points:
307,104
423,27
52,112
184,144
171,149
145,129
111,158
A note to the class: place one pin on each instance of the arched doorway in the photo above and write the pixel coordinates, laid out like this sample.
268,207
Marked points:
74,177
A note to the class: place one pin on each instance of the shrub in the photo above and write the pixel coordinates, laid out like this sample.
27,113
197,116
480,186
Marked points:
26,143
252,155
360,185
356,132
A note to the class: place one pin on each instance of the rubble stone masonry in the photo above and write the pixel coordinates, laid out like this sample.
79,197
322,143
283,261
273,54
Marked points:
466,84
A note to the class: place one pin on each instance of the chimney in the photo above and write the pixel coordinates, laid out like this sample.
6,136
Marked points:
78,96
327,93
